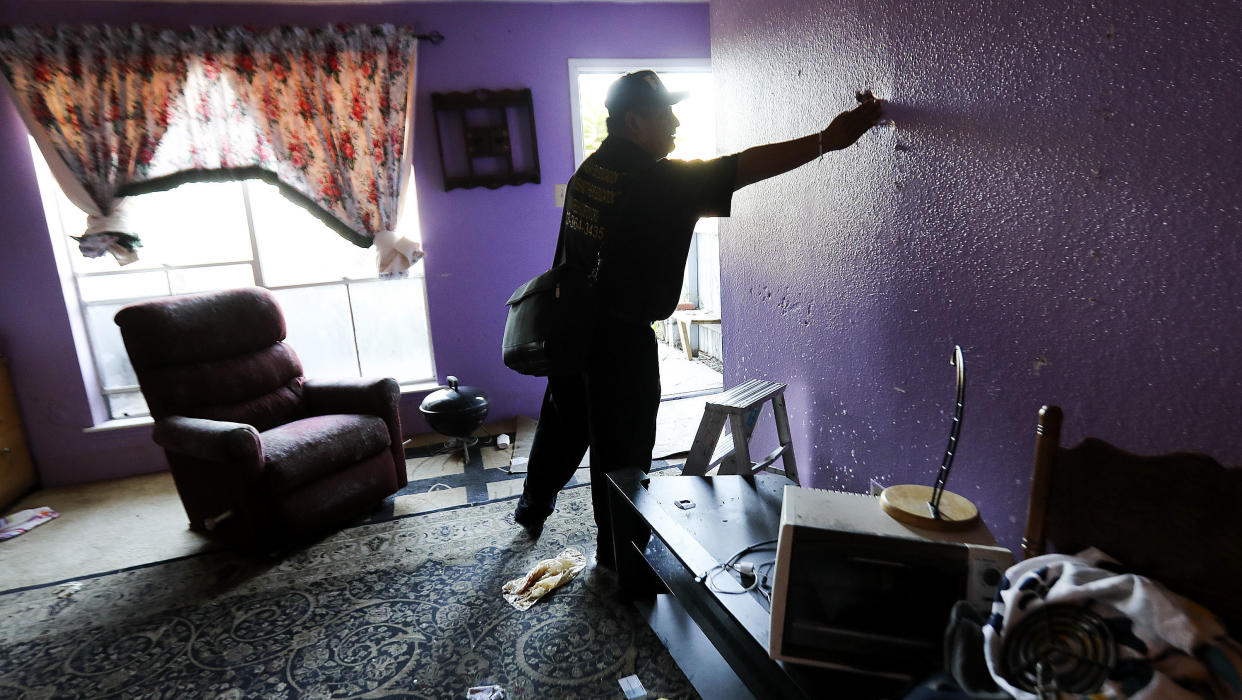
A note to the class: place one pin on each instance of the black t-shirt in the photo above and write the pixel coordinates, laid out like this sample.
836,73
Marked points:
636,215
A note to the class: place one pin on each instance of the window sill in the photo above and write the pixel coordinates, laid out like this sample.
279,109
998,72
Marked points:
141,421
119,424
420,387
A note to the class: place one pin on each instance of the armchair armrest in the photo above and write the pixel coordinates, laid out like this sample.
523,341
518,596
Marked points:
210,440
373,397
217,466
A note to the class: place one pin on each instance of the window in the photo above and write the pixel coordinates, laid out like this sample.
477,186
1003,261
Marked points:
588,85
696,139
341,319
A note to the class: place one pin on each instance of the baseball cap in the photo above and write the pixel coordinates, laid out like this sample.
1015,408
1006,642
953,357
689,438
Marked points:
640,89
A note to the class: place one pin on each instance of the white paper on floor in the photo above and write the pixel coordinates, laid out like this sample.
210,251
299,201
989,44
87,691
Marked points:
543,578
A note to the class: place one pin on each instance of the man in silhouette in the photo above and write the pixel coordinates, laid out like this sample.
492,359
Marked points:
628,221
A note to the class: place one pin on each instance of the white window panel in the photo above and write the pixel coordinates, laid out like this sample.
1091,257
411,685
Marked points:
297,248
129,286
111,360
194,224
709,271
128,404
319,328
390,318
588,86
209,279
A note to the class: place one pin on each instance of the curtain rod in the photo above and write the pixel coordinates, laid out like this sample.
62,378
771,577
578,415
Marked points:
434,36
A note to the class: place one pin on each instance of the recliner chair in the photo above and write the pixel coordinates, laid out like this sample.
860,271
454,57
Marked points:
261,456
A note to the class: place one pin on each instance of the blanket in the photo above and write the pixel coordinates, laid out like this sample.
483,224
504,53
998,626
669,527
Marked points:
1166,646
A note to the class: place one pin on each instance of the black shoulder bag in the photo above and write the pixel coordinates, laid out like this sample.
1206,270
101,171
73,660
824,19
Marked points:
551,319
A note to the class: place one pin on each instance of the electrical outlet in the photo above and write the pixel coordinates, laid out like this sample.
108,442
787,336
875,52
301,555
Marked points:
558,195
876,488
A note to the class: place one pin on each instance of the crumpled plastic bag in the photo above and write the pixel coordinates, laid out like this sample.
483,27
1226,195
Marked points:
543,578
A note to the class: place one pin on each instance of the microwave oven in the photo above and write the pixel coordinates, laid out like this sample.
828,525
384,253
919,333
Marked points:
854,589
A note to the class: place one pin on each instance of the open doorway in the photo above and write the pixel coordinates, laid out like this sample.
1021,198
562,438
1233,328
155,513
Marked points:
696,370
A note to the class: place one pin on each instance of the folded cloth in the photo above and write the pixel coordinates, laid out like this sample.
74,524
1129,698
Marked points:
1166,646
545,576
24,521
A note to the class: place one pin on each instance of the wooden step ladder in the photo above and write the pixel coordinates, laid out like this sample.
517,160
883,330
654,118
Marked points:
740,406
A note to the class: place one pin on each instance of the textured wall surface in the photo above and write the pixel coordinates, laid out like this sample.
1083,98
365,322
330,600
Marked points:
1059,197
481,244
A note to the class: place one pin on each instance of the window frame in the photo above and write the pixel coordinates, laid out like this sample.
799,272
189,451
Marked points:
578,66
620,65
98,395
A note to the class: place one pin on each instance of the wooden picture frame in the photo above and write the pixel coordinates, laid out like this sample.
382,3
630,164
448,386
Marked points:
486,138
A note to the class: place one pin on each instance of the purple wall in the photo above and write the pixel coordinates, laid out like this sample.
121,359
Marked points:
1059,197
481,244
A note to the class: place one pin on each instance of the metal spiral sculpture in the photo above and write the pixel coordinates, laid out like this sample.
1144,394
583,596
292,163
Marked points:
935,506
946,464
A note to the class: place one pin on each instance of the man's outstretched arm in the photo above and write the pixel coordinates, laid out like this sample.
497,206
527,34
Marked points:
763,162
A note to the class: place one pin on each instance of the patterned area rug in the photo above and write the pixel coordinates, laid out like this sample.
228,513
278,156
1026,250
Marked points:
409,607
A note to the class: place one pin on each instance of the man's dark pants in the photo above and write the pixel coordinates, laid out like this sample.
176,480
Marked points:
610,408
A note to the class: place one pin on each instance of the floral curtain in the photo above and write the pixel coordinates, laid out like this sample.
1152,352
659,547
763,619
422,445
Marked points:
97,100
325,113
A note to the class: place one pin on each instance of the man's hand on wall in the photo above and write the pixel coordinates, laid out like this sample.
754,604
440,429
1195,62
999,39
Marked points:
848,126
761,162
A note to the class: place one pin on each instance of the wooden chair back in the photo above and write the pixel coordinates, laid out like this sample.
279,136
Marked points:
1176,518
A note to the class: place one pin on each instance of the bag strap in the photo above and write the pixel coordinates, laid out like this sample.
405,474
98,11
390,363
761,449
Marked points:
561,254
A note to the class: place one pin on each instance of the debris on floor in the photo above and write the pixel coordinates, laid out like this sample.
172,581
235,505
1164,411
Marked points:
24,521
486,692
543,578
633,688
66,590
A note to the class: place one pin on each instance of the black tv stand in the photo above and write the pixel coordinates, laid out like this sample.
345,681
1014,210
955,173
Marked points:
719,640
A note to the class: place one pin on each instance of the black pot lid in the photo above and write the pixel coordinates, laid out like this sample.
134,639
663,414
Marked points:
455,399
